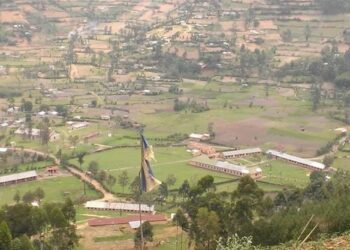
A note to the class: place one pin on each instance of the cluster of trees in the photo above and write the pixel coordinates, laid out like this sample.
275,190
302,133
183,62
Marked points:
10,161
329,146
100,175
51,226
330,66
30,196
178,67
190,105
294,214
175,90
254,61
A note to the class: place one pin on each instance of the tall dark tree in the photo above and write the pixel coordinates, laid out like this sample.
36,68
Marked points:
81,158
68,210
147,231
184,189
93,167
39,194
17,197
123,179
208,228
5,236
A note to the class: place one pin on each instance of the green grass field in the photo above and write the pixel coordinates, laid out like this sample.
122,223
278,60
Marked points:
282,173
56,189
171,160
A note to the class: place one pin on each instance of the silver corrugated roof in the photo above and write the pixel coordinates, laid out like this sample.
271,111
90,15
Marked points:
241,151
19,176
230,166
118,206
313,164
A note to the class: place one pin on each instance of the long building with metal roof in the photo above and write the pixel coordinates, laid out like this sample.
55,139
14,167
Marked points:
241,152
296,160
127,207
17,178
225,167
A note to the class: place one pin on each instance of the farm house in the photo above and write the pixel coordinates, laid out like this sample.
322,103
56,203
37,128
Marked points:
225,167
18,178
125,207
313,165
241,153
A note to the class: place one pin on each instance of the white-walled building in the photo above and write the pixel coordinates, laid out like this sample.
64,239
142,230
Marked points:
296,160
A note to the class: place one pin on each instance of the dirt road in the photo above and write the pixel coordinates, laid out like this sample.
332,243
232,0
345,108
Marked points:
107,196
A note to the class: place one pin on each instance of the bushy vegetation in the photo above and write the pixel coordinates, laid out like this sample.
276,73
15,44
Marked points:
330,66
50,226
190,105
175,66
247,212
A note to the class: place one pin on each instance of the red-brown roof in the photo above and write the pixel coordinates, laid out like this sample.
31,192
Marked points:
126,220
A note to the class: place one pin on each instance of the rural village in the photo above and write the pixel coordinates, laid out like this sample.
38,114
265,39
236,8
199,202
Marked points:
238,99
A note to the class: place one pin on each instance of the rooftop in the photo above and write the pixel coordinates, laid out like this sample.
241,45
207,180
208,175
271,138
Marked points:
225,165
19,176
118,206
230,166
241,151
313,164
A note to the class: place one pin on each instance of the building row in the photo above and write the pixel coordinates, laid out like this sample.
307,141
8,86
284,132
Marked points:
18,178
114,206
296,160
312,165
225,167
240,153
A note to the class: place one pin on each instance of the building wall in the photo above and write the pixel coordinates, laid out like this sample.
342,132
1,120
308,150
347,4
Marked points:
124,210
18,181
240,155
297,163
226,171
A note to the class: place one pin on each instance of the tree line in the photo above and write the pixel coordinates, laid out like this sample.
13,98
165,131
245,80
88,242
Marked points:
251,217
26,227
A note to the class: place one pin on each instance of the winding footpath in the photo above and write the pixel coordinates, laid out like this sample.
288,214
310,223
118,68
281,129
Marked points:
107,196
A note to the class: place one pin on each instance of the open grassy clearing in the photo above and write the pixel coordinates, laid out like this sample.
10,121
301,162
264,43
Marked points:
172,160
56,189
282,173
